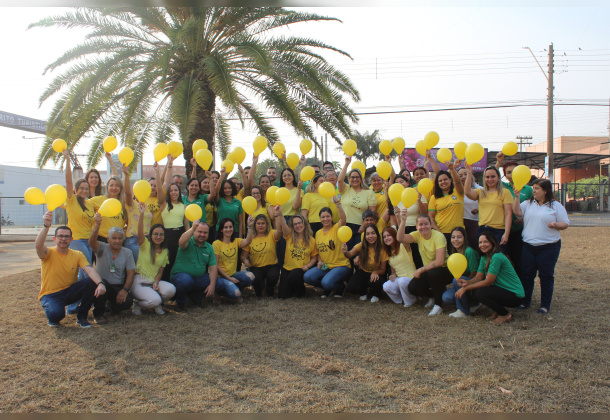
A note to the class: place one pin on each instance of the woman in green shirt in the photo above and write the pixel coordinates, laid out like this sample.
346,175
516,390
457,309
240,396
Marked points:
496,284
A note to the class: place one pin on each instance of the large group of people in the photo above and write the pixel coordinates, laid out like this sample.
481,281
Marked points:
150,254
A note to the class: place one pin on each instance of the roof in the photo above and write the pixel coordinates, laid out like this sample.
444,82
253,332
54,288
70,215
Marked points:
536,159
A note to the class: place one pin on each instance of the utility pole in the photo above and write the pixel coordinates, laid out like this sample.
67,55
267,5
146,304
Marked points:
549,129
521,142
326,143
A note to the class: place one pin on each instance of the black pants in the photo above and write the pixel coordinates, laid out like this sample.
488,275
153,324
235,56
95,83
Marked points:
496,298
172,236
432,283
360,284
110,296
291,284
315,226
514,250
415,249
265,278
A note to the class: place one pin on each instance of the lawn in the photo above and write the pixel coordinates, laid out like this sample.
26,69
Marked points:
314,355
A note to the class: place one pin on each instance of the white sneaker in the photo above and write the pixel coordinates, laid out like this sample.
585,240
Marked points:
436,310
374,299
135,309
475,308
407,305
430,303
458,314
363,298
159,310
323,297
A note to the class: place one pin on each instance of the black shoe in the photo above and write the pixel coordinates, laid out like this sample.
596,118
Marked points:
100,319
181,307
83,323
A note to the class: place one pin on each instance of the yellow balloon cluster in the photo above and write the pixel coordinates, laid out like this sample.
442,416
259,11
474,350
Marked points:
270,195
198,145
175,148
110,208
193,212
34,196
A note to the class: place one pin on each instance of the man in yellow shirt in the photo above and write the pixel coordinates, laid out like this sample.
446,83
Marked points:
59,286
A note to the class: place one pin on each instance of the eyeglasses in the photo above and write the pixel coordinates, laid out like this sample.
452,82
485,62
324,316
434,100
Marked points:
63,236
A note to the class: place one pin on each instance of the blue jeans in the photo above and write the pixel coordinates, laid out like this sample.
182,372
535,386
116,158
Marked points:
82,245
231,290
132,243
330,279
54,304
497,233
188,286
541,259
462,303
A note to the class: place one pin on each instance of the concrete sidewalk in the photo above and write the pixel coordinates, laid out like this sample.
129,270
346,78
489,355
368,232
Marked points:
18,257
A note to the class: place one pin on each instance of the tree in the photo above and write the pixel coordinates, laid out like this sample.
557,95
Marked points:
368,145
146,74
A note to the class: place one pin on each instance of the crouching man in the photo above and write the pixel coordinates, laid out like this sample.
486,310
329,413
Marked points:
116,267
59,286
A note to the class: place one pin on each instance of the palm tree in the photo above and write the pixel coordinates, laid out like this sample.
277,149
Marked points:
146,74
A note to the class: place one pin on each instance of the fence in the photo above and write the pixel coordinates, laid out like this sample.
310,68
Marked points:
587,205
20,218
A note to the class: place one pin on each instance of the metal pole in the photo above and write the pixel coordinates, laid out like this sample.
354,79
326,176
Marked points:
549,132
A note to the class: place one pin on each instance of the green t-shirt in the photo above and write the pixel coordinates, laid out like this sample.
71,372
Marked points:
194,259
231,210
473,261
506,276
527,192
201,201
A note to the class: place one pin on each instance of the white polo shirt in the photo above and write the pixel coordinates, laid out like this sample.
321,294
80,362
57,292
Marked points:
535,219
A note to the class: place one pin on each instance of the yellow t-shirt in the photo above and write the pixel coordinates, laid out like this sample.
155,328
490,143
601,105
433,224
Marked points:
153,206
80,221
355,203
133,216
226,255
298,255
313,203
403,263
370,264
210,211
491,208
262,210
262,250
329,248
382,203
145,266
240,195
175,218
60,271
449,211
428,247
107,222
287,209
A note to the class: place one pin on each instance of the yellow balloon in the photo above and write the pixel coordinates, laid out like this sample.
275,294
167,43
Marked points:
349,147
193,212
399,144
457,264
161,151
282,195
408,197
385,147
344,233
126,156
395,193
270,195
510,148
249,204
521,176
59,145
34,196
305,146
175,148
198,145
228,165
326,190
204,159
110,143
55,195
444,155
384,170
460,150
239,154
292,160
425,186
142,190
110,208
360,166
474,153
279,149
431,139
307,173
420,147
230,157
259,144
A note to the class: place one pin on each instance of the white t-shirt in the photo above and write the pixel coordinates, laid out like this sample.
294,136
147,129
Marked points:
470,205
535,219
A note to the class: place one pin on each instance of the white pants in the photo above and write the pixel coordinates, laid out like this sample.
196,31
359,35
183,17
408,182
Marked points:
398,291
148,297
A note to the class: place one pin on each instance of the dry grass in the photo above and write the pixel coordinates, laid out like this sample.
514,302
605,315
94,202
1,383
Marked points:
317,356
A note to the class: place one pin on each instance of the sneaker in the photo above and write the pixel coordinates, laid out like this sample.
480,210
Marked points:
159,310
475,308
83,323
135,309
338,295
458,314
436,310
323,296
407,305
363,298
374,299
52,324
430,303
101,319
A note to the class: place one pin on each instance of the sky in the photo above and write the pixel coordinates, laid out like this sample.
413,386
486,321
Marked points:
402,59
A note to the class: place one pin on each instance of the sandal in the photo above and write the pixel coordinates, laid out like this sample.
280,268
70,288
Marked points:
502,319
493,316
522,307
543,310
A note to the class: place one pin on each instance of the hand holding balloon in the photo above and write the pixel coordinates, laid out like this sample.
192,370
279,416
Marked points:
47,218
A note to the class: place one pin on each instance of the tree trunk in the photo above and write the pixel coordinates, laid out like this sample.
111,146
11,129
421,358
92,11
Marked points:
204,129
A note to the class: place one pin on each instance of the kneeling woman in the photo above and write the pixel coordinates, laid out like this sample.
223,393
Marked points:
432,279
226,248
403,268
372,261
148,290
496,284
260,257
301,252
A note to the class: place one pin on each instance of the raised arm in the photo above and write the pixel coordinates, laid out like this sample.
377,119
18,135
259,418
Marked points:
388,159
433,163
245,242
127,186
457,184
296,204
215,189
112,167
252,173
468,191
349,254
245,180
160,193
141,233
41,248
280,222
186,236
342,216
93,242
401,236
194,166
499,160
517,204
167,180
68,173
341,178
